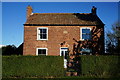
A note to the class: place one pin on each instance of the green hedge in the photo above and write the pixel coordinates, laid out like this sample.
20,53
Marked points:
100,66
32,66
52,66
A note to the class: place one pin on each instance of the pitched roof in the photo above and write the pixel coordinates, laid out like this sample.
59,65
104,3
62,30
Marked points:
64,19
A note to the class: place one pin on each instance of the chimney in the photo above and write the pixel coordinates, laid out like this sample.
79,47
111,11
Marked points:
29,11
94,10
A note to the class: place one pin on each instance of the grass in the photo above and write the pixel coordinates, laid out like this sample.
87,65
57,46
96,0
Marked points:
64,78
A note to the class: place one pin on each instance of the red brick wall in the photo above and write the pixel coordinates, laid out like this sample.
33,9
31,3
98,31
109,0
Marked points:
56,35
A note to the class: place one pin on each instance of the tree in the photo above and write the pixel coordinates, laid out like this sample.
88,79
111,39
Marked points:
8,50
12,50
19,50
113,42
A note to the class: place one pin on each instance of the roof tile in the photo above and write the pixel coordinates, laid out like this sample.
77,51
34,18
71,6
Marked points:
64,18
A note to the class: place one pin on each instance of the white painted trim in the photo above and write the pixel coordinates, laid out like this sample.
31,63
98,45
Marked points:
60,49
41,48
81,31
38,32
65,60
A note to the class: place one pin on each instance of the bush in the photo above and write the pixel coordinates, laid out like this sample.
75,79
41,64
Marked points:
12,50
8,50
100,66
52,66
32,66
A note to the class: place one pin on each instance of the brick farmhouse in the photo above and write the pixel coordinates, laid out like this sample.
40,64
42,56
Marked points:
53,33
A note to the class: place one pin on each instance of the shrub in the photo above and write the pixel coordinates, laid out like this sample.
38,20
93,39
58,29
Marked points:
52,66
32,66
8,50
101,66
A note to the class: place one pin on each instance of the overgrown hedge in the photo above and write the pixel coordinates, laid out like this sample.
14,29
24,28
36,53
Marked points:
32,66
100,66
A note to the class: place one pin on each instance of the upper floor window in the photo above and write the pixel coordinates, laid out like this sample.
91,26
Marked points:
42,33
85,33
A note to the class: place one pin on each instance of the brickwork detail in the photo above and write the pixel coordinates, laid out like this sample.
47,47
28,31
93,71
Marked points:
56,35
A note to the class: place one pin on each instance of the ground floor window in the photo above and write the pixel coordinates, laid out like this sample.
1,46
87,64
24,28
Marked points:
41,51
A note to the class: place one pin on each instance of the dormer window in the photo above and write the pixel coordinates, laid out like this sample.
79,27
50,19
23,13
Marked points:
42,33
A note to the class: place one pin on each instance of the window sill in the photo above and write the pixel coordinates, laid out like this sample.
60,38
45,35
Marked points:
42,39
42,55
84,39
81,39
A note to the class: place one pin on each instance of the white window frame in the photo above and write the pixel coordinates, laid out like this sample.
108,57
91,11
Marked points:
42,48
38,36
81,31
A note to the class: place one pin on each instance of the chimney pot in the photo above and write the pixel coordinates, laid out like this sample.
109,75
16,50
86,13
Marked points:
29,11
94,10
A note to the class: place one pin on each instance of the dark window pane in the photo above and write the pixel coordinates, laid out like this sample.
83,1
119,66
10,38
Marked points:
41,36
66,54
41,51
62,53
41,31
44,51
44,36
87,37
44,31
85,30
86,50
83,36
86,34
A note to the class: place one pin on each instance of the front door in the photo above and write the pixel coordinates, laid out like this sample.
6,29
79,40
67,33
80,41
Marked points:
64,52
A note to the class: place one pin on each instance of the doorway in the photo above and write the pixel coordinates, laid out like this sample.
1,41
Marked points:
64,53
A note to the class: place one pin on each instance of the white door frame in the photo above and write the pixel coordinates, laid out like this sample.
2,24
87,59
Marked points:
63,50
65,60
